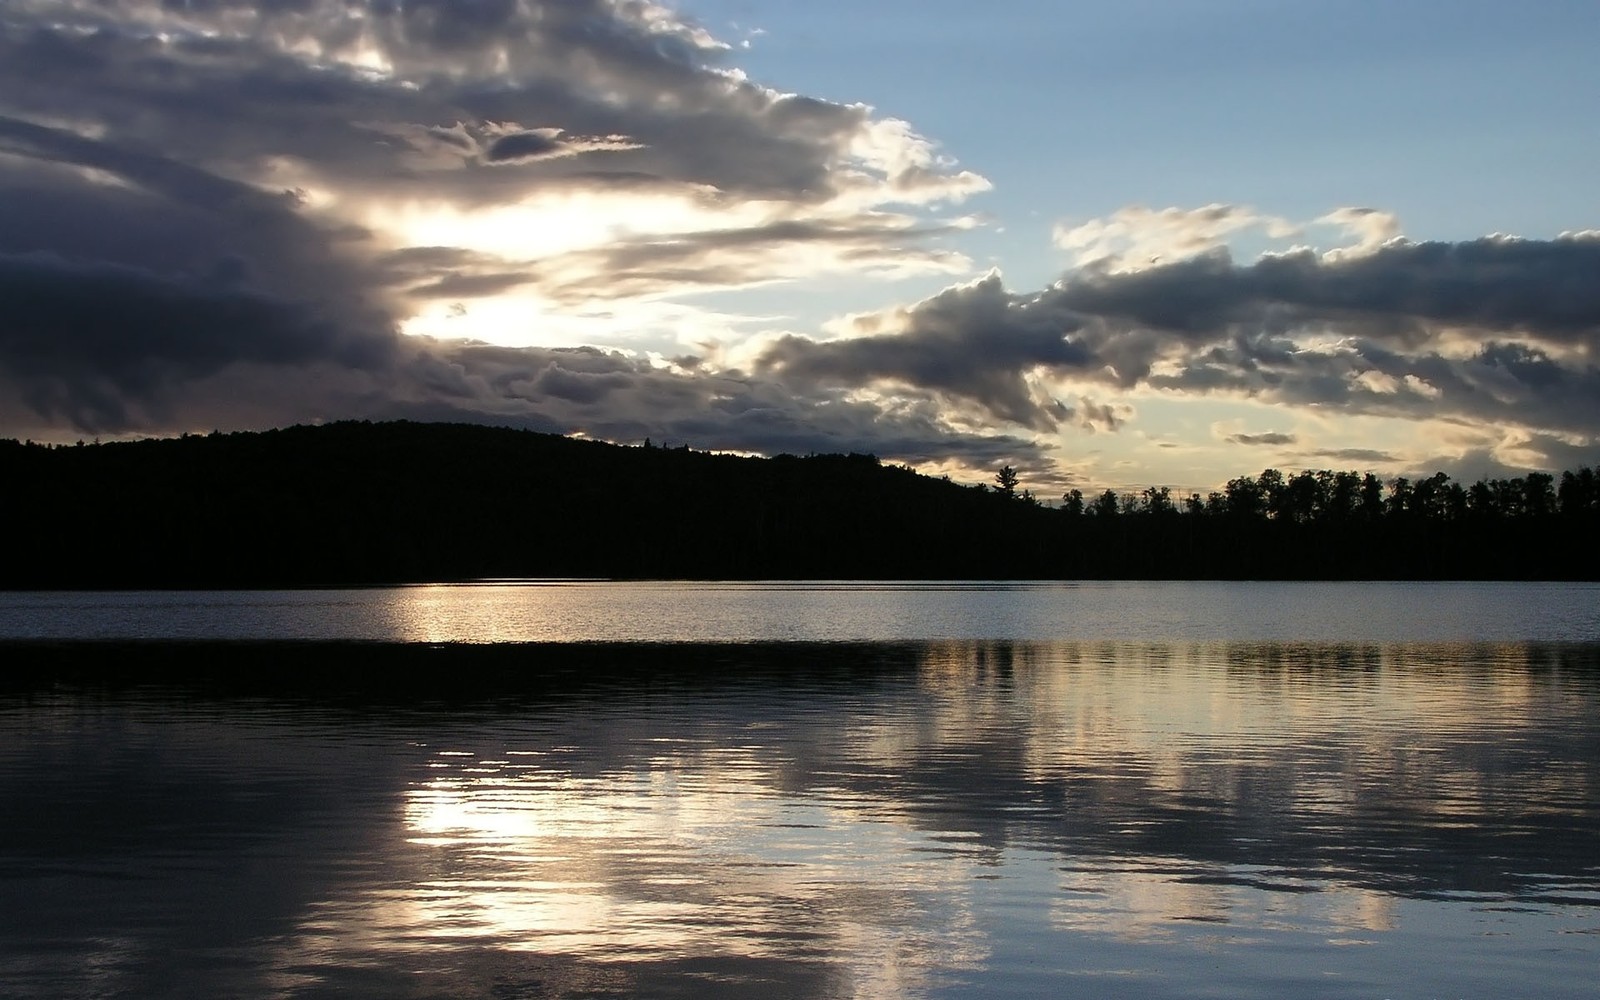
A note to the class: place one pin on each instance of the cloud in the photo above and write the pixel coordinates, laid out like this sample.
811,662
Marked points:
1505,456
240,87
974,342
610,395
123,273
882,243
1269,438
1497,329
548,143
1495,284
457,146
1136,236
109,348
1371,227
99,346
224,213
1361,455
84,340
210,212
487,117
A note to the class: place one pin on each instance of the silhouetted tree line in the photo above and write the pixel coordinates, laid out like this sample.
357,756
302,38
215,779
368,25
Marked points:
1340,497
1340,524
353,503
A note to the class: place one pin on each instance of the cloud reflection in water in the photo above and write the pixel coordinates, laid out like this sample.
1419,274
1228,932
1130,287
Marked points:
892,821
689,846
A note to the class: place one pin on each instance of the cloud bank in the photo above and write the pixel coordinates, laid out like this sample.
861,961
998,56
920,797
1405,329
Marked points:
229,214
1497,331
207,210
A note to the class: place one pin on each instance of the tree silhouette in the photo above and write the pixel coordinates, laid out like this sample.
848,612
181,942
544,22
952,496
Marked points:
1105,505
1006,481
397,502
1157,500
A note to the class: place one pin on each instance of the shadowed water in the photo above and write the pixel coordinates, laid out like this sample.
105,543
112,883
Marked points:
894,819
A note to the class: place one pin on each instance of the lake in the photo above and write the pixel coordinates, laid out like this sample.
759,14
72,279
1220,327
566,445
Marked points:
580,611
825,790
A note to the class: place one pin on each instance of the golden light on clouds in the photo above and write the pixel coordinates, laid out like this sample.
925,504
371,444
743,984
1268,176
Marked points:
614,177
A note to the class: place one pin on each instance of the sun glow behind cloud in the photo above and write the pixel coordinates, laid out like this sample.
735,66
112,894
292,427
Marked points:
544,225
600,187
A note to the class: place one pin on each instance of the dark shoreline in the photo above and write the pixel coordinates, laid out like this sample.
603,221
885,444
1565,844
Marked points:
419,673
357,504
426,671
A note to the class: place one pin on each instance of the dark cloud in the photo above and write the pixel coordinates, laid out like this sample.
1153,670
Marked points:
613,396
168,259
434,148
1537,287
974,342
124,273
102,346
729,257
1499,383
236,86
90,201
1484,462
450,272
1359,455
523,146
156,275
62,315
1497,329
1269,438
107,348
431,273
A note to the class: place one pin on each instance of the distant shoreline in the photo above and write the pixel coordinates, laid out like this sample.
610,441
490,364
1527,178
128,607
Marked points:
402,675
389,504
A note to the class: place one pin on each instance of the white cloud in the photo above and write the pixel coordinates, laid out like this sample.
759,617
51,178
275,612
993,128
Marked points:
1136,237
1369,227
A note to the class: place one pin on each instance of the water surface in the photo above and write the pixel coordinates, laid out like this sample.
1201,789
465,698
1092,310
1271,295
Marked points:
933,817
577,611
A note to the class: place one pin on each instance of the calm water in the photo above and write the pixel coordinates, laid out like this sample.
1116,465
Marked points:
1055,791
782,612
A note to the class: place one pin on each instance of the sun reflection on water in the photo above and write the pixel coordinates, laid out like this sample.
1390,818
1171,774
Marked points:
994,804
678,857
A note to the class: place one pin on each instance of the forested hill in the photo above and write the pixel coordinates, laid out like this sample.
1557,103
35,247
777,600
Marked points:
392,502
359,502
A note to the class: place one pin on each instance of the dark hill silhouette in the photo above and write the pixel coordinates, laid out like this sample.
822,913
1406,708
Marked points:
358,503
353,503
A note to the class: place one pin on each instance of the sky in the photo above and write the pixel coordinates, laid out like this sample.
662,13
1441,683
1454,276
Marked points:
1112,245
